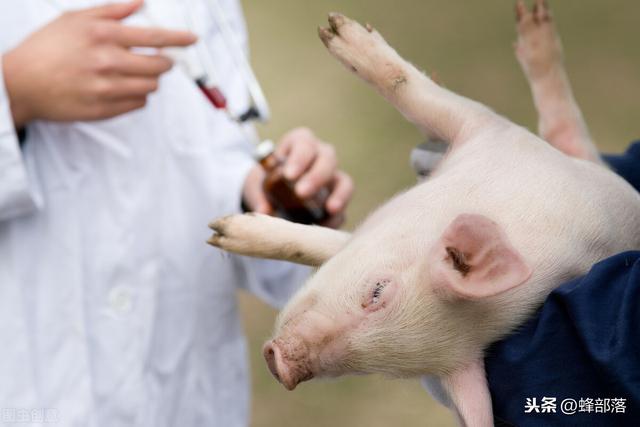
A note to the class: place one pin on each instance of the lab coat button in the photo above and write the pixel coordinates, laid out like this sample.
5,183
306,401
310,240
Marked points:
120,300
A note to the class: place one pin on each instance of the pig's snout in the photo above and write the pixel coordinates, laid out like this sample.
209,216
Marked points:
288,362
278,369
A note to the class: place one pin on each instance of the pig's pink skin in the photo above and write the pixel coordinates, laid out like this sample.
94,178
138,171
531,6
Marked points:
306,345
312,344
289,360
552,218
469,393
559,216
424,333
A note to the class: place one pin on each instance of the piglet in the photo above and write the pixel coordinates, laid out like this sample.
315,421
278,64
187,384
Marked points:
441,271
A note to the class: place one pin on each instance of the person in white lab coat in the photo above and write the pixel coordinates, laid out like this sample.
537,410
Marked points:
113,311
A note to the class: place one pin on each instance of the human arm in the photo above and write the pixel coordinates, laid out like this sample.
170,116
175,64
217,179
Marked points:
627,165
582,344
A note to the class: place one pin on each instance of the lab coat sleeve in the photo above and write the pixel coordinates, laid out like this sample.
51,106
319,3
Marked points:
17,196
274,282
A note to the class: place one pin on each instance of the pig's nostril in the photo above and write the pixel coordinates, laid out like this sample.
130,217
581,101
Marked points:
270,357
286,371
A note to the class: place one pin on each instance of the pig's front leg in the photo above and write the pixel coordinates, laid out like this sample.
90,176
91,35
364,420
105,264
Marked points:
469,395
539,52
264,236
466,393
438,111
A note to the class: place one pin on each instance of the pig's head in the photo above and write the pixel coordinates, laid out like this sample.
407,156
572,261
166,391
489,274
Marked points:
392,311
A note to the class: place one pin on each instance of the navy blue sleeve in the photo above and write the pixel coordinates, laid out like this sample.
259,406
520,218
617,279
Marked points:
583,345
627,165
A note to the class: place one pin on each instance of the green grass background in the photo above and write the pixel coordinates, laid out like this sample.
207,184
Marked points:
469,45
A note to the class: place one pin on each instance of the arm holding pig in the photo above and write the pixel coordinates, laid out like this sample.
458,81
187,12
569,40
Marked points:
627,165
582,344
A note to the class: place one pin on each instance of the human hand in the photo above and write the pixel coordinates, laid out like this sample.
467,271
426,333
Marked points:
80,66
312,165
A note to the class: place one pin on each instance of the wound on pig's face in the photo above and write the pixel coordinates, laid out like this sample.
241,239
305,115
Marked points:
378,295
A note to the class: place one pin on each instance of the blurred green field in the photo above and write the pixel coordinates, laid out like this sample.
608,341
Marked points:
469,45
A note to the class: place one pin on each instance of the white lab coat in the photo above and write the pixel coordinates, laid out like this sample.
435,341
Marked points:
113,310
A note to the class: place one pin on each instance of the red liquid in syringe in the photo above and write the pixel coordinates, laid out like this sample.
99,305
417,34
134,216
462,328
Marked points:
214,95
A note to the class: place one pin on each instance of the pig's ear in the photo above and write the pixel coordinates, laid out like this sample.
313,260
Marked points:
473,259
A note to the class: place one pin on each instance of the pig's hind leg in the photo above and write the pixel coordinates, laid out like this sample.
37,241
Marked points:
438,111
264,236
539,52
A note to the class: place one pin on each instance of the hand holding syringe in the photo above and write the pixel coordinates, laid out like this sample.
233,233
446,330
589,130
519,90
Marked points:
86,68
199,63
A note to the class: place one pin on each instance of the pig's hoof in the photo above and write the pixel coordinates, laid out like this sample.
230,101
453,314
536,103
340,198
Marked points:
238,233
363,50
538,47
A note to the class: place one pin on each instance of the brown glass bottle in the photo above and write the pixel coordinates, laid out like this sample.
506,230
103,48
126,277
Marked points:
281,194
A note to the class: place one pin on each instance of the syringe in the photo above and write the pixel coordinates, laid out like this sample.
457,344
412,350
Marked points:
195,62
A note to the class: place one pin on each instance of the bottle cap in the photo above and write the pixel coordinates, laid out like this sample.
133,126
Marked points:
264,149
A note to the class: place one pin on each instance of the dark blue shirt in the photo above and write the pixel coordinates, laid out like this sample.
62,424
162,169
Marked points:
579,357
627,165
